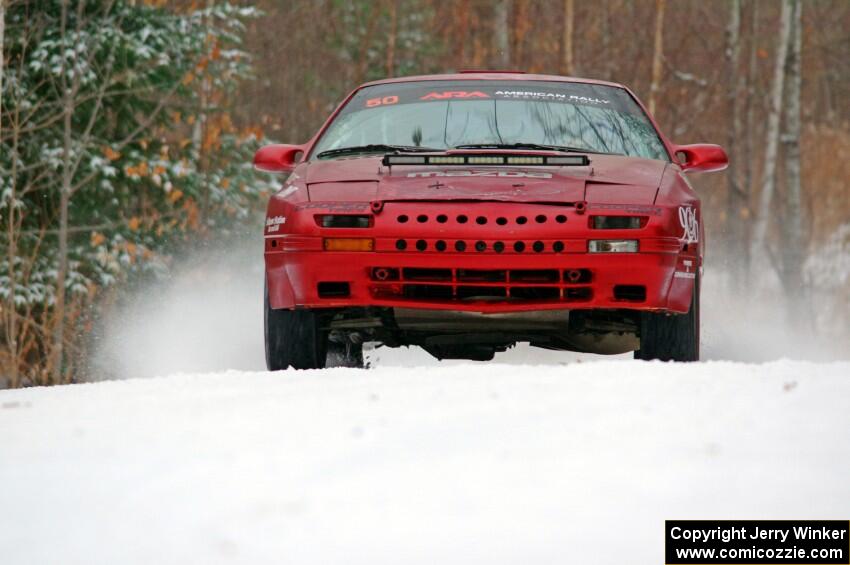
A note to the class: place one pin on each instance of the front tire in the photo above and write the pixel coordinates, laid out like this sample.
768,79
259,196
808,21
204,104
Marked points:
671,337
293,339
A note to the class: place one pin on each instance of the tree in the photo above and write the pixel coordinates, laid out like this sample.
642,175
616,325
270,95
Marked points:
567,62
392,36
734,194
501,32
792,236
98,173
763,212
657,55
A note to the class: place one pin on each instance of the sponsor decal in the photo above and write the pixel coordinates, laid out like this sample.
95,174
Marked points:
385,101
453,94
287,191
633,208
502,174
681,275
335,206
273,224
551,96
689,223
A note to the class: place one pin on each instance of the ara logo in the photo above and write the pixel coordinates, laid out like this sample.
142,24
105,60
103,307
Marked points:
690,224
453,94
503,174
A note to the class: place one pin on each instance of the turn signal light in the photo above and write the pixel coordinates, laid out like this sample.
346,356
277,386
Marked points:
348,244
612,246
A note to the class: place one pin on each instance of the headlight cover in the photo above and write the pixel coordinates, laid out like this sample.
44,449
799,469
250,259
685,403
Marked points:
612,246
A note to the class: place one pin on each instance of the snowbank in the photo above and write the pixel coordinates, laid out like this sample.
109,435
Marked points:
458,464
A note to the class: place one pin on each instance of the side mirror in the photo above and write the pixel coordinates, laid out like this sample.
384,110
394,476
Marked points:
701,157
277,158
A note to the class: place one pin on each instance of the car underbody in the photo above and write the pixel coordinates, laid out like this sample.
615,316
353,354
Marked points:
453,334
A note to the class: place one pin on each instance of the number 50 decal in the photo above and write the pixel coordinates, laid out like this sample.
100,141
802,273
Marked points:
385,101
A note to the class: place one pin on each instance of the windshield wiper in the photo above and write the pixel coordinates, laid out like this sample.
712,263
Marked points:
537,146
374,148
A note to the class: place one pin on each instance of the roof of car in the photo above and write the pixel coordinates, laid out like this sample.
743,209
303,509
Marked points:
494,75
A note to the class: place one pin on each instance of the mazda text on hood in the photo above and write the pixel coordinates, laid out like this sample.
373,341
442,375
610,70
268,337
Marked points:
467,213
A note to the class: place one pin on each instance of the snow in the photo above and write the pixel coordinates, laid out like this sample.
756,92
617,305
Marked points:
461,463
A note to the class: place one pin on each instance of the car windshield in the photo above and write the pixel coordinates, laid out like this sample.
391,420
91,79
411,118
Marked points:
447,114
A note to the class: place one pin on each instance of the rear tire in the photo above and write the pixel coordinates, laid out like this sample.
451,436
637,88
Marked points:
293,339
671,337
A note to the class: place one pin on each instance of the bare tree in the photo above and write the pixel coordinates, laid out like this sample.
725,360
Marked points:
792,225
391,37
567,62
657,54
772,134
608,55
734,200
749,138
76,140
502,32
2,58
10,312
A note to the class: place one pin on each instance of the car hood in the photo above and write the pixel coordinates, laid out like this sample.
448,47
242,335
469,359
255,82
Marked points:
608,179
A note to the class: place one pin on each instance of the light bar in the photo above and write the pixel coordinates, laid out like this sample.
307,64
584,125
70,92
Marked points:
612,246
408,160
525,160
445,160
487,159
348,244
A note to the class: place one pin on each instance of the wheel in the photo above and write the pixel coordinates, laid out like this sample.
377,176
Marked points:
293,338
671,337
345,355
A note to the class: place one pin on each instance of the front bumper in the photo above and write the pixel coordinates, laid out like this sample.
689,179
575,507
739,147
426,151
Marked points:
530,267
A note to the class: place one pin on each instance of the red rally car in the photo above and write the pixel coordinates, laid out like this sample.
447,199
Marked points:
465,213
